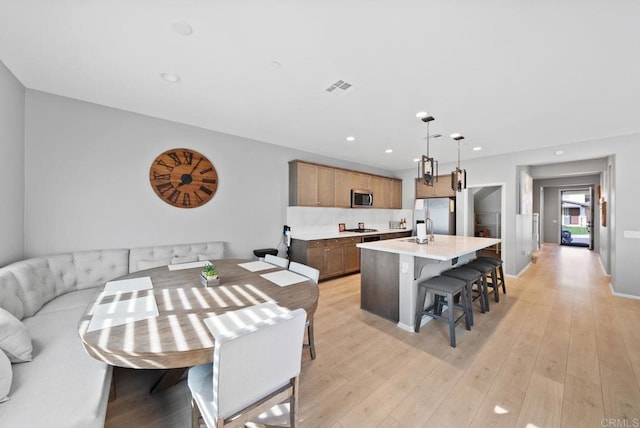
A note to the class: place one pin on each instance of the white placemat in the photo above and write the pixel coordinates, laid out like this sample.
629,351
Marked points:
188,265
128,285
231,324
284,277
257,266
123,312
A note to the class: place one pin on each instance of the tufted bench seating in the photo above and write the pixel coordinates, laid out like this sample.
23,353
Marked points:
62,386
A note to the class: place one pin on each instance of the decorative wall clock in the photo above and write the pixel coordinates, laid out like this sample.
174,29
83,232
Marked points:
183,178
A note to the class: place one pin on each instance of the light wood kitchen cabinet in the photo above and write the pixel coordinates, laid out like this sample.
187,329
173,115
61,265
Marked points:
326,186
306,177
332,257
351,255
360,181
380,197
396,194
387,192
440,189
342,188
314,185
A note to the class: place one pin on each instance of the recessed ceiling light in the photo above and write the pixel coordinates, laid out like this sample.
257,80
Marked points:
477,149
388,151
558,152
422,114
170,77
416,160
350,138
182,27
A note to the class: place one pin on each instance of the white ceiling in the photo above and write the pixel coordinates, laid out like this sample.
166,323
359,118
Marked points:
508,75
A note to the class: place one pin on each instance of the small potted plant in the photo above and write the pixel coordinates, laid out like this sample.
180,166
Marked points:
209,275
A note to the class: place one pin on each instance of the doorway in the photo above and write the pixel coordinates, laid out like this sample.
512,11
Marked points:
576,218
483,215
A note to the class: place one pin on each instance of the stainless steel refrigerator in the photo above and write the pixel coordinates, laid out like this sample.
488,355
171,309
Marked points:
442,211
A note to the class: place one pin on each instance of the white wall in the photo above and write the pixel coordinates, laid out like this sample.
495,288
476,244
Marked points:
87,185
489,200
622,211
12,169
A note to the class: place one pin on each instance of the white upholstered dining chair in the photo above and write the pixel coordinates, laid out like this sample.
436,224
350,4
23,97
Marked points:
313,274
275,260
254,368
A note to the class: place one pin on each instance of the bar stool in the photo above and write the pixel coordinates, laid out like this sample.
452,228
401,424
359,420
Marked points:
470,277
443,287
500,272
487,270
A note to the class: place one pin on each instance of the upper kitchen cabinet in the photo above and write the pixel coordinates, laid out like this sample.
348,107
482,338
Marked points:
314,185
326,186
306,178
440,189
387,192
360,181
343,188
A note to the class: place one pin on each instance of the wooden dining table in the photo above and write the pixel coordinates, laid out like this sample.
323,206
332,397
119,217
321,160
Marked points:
178,337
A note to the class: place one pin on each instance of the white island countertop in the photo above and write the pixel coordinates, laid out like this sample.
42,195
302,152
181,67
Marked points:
444,247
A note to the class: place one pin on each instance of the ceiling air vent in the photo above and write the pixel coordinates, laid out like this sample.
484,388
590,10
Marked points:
340,84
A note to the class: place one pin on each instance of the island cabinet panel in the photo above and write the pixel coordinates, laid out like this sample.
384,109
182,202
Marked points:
440,189
379,284
314,185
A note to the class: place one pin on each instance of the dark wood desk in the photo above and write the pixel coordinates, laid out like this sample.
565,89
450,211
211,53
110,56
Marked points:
178,337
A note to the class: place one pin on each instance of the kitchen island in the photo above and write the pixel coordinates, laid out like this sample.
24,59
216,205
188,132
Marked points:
390,271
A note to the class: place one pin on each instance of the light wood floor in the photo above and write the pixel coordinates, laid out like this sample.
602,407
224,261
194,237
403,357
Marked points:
557,351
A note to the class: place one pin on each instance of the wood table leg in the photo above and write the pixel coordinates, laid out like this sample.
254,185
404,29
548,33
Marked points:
168,379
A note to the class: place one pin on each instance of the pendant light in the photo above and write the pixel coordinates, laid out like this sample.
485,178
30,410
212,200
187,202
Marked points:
458,176
428,168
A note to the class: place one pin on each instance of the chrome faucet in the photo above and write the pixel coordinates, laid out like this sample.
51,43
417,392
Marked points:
426,222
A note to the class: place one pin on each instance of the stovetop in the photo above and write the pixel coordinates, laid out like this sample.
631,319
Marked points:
361,230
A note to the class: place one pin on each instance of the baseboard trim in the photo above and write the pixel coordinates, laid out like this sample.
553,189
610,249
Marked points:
523,270
626,296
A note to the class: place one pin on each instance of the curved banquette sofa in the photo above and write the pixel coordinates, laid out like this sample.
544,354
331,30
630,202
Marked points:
46,377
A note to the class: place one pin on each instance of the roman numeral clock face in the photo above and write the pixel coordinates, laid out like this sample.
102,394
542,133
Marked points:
183,178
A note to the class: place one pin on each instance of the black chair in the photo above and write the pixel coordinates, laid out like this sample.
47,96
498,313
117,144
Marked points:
499,273
488,271
444,289
471,277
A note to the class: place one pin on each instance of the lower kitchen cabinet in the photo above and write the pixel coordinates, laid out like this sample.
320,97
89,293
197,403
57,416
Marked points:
351,255
327,255
333,257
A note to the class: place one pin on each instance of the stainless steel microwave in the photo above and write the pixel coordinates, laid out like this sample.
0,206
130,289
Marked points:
361,199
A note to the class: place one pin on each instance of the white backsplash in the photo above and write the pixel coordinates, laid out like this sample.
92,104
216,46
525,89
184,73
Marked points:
313,220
